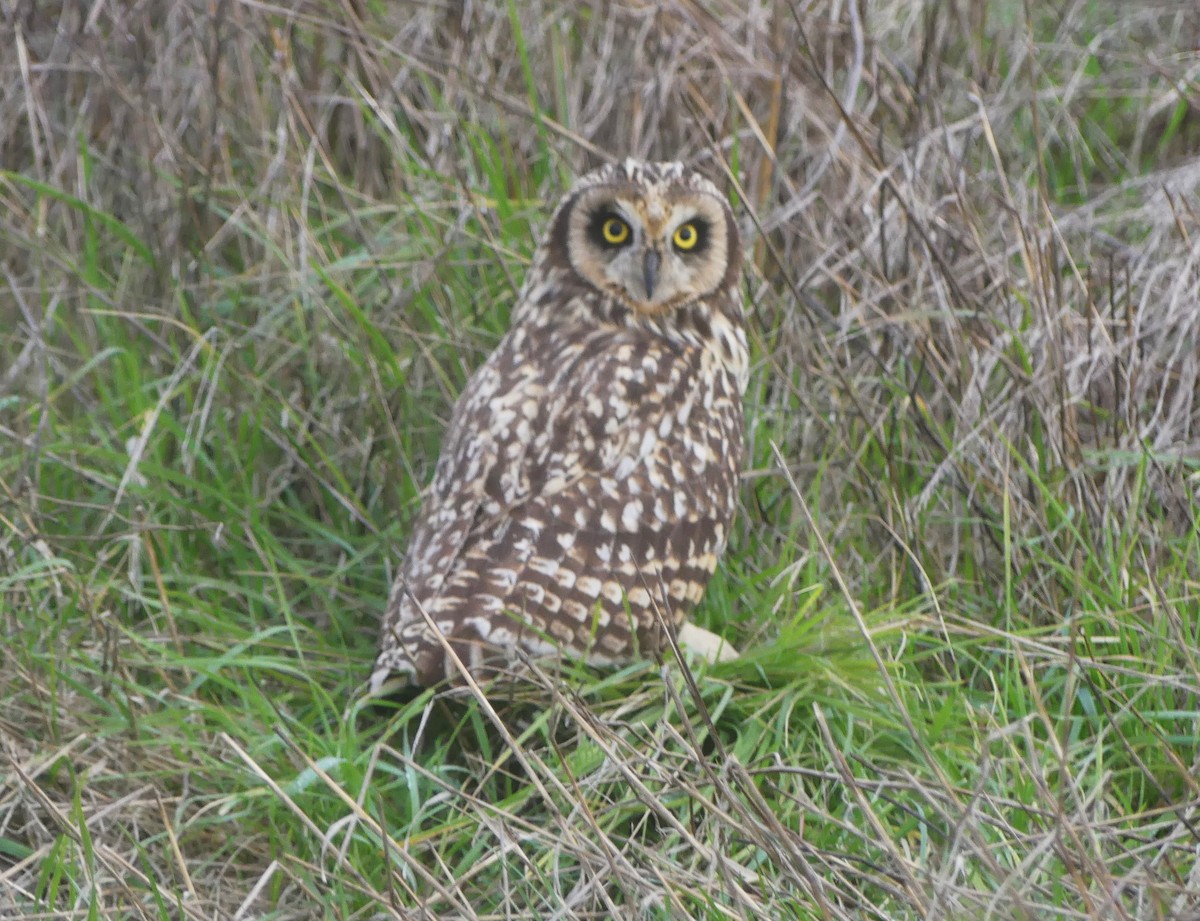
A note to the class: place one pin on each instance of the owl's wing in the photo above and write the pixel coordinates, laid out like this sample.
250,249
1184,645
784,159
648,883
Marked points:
558,496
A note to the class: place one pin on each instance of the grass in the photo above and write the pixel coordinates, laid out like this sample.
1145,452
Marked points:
248,258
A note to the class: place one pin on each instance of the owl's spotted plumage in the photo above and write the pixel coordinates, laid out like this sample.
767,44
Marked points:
589,474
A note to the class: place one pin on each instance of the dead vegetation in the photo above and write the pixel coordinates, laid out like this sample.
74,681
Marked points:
249,253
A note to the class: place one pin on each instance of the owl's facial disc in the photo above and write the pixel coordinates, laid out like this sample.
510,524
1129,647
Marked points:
654,249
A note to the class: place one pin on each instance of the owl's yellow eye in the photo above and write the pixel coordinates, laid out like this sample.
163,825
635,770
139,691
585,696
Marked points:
615,231
686,237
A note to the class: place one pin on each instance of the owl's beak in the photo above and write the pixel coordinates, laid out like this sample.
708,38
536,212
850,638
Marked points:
653,260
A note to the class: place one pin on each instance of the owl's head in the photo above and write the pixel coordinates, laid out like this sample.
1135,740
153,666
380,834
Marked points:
654,236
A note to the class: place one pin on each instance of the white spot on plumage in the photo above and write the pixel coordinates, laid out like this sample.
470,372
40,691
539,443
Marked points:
625,466
576,610
649,440
654,476
588,585
681,504
543,566
532,525
631,515
505,578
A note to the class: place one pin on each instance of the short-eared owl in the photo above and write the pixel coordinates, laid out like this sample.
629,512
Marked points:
589,474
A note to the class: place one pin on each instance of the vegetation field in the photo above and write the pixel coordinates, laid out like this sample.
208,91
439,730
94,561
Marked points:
250,253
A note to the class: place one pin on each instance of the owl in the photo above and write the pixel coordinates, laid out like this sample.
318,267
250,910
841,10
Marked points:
589,475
